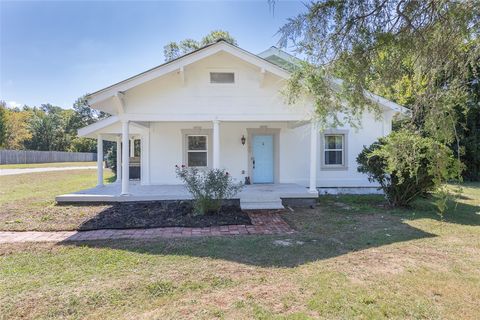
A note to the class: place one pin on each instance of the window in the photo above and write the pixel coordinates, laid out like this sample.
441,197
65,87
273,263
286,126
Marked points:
222,77
334,149
197,153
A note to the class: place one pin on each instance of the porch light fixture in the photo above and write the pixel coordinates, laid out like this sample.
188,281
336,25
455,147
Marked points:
243,139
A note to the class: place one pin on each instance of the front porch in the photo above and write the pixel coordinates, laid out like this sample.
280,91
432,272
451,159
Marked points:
270,196
277,156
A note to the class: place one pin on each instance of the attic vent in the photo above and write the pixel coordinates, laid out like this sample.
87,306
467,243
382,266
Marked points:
222,77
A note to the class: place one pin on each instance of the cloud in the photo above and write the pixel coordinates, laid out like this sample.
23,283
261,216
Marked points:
14,104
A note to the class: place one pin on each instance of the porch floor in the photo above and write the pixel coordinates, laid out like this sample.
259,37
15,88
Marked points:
250,193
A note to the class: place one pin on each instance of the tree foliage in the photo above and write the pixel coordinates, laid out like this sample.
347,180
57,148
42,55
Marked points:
174,50
3,123
407,166
48,127
422,54
468,129
15,128
424,48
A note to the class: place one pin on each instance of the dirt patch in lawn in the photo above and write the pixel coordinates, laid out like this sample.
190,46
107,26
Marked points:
163,214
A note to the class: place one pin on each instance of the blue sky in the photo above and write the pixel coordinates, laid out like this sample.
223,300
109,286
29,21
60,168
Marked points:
54,52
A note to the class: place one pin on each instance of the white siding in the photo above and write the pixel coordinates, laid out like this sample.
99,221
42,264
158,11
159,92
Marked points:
166,152
197,96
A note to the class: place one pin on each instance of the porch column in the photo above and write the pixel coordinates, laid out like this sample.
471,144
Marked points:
100,160
216,144
132,147
313,157
119,159
125,159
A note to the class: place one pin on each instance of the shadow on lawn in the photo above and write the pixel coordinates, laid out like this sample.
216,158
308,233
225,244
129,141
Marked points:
322,234
458,212
339,225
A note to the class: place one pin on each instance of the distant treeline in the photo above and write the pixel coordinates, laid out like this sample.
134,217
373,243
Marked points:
47,128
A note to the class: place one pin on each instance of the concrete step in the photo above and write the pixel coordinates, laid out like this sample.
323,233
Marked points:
258,204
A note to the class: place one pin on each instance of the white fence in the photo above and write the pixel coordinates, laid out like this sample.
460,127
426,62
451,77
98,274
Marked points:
30,156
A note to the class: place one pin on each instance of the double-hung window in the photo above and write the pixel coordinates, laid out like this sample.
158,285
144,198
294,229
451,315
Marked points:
197,150
334,150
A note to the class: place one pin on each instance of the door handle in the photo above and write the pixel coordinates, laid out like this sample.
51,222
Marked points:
253,161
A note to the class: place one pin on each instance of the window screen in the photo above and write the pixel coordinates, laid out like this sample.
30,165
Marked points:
222,77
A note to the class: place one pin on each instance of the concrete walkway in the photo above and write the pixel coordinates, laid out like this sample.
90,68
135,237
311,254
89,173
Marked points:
7,172
263,223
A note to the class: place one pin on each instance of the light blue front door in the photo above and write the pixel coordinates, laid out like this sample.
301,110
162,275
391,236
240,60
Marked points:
262,162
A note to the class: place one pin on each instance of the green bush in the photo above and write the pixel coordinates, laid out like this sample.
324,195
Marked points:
208,187
408,166
112,159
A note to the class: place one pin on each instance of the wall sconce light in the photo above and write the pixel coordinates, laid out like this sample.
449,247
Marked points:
243,139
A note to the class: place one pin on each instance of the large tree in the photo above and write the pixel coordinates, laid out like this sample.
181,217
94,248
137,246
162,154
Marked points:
16,129
48,127
3,123
430,46
422,54
84,114
174,50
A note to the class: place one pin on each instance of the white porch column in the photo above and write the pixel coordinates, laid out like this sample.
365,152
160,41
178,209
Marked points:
119,159
313,157
100,160
145,158
216,144
125,159
132,147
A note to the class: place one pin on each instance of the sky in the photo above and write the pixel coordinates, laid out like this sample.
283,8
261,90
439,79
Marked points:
56,51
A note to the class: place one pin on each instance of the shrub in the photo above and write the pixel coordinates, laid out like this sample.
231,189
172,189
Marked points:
112,159
208,187
408,166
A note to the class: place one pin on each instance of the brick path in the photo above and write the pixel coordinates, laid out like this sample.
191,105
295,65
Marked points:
262,223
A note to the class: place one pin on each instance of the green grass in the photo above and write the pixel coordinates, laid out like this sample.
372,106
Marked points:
27,201
352,258
47,165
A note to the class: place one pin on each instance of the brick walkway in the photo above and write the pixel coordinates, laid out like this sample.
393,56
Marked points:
262,223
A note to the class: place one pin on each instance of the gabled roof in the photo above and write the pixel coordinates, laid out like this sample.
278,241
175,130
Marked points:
180,62
272,60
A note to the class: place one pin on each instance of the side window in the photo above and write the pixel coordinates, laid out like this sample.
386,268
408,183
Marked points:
334,151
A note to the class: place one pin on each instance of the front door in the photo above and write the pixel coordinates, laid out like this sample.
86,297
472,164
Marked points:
262,158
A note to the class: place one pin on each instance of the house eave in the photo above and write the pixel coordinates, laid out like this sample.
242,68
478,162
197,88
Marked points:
181,62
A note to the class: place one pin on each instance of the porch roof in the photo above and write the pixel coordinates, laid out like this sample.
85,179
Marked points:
110,127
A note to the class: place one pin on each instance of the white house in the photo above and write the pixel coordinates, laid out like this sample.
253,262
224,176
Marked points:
222,107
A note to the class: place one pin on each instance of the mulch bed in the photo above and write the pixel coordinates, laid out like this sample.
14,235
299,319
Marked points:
157,214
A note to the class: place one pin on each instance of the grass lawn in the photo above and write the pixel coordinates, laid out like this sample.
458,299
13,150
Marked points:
48,165
352,258
27,201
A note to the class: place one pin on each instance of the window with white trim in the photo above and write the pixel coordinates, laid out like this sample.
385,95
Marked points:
197,150
222,77
334,149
